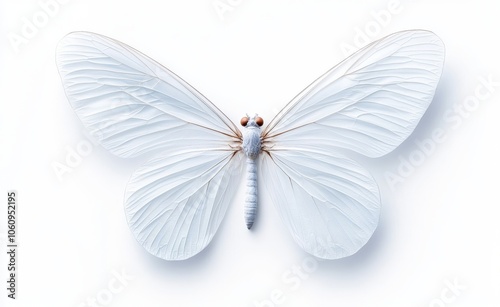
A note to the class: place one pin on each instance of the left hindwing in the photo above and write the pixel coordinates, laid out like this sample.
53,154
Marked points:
175,204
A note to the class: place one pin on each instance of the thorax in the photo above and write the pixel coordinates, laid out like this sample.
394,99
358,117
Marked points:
251,142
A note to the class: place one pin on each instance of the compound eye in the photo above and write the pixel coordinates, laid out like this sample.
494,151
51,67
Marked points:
259,121
244,121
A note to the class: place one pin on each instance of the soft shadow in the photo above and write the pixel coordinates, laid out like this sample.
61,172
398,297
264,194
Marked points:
432,120
367,256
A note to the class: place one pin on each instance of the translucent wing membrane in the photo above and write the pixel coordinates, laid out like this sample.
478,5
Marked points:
329,203
132,104
174,204
369,103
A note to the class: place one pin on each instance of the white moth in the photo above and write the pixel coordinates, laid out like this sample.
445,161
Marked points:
368,104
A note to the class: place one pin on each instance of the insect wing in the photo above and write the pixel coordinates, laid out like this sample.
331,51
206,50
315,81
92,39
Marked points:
132,104
369,103
329,203
175,204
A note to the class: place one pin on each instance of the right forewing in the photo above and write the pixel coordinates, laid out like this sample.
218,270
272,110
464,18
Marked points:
369,103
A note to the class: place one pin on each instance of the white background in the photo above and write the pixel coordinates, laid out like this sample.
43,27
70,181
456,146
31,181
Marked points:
439,225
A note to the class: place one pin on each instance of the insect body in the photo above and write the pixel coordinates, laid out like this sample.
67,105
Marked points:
174,203
252,147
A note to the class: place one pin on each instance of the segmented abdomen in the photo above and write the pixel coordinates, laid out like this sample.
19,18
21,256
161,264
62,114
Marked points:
251,197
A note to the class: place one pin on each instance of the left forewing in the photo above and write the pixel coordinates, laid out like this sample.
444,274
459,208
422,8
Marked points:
132,104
